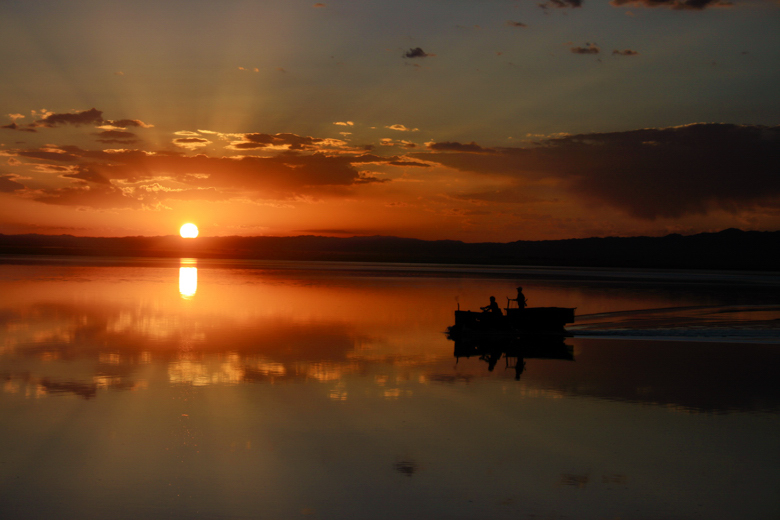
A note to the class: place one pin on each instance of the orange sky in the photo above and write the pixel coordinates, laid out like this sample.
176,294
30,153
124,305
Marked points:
437,121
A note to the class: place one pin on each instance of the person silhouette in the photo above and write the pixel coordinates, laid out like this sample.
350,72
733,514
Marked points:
521,300
492,308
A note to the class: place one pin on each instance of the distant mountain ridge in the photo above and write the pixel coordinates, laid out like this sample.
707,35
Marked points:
728,249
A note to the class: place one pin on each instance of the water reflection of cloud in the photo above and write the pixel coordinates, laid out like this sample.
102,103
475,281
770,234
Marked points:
202,373
29,386
338,393
326,371
197,351
358,338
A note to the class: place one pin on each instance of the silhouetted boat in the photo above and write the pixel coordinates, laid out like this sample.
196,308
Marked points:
530,320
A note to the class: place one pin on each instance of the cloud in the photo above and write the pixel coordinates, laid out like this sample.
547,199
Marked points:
410,163
590,48
191,143
98,197
417,52
124,123
649,173
344,123
9,184
561,4
56,168
457,147
87,174
191,140
286,176
319,4
516,24
92,116
679,5
48,154
287,141
626,52
402,128
14,126
387,141
117,136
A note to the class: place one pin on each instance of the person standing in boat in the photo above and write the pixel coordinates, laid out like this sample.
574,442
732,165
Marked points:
492,308
521,300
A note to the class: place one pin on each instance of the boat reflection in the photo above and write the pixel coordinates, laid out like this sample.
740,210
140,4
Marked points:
514,349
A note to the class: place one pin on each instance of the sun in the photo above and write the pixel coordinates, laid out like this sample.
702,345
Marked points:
189,231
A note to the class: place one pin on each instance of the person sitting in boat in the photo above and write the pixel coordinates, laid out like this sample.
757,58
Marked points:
521,300
492,308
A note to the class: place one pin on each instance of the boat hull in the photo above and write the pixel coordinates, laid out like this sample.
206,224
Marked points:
531,320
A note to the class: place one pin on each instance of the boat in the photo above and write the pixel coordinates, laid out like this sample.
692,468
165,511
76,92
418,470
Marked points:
515,321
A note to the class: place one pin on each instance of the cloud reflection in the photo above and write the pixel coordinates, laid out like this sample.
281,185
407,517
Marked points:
357,337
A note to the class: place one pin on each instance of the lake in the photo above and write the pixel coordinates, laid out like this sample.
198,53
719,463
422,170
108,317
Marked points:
143,388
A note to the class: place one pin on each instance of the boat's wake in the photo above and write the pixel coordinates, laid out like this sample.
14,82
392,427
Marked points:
754,323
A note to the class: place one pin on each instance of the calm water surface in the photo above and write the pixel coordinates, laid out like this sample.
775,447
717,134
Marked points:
151,389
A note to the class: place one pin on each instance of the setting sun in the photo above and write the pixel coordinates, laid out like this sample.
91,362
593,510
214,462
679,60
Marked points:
189,231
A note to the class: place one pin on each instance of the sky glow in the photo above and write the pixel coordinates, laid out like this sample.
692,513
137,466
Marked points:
495,120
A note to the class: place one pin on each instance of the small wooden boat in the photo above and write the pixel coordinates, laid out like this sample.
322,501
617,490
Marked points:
530,320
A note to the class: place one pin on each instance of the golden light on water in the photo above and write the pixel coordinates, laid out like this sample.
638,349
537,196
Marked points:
188,282
189,230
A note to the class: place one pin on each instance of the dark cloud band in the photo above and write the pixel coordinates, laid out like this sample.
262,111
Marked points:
679,5
649,173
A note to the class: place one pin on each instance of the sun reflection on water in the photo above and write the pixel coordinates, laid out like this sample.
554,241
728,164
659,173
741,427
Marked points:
188,278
